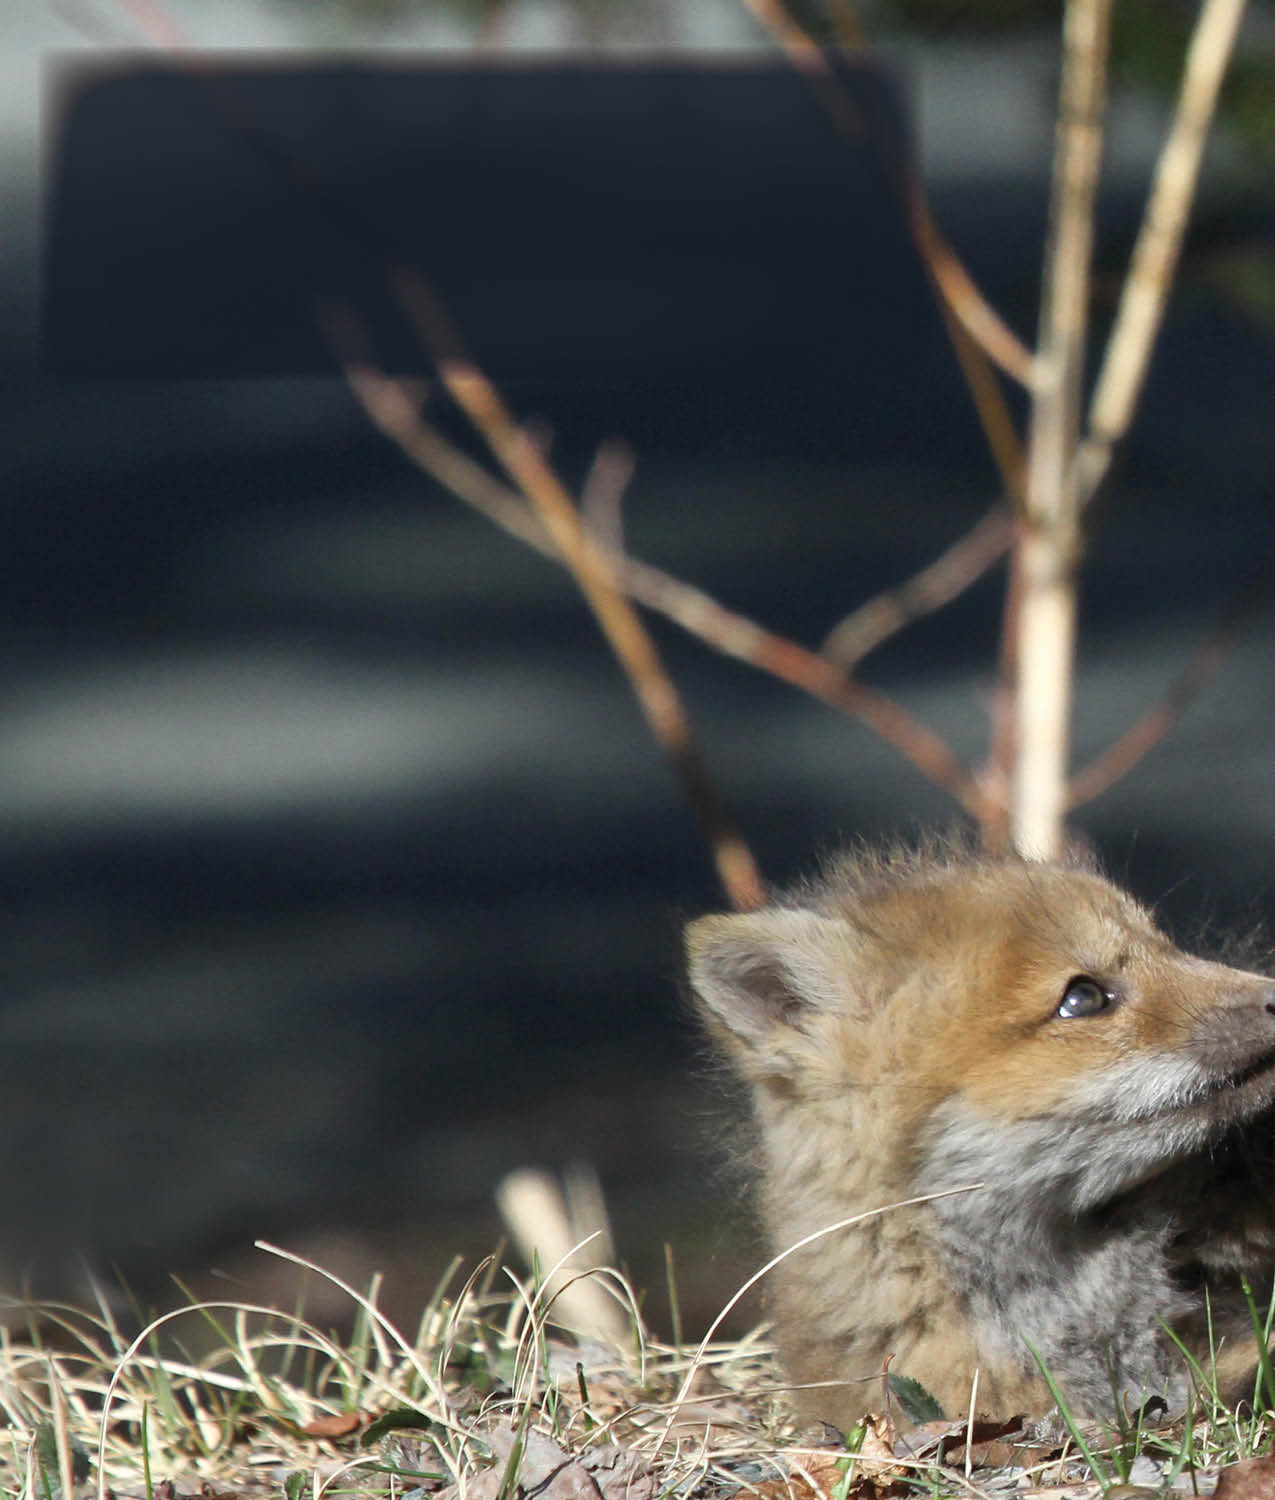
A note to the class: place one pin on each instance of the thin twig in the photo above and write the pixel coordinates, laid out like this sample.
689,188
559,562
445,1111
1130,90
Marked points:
847,24
967,559
1146,287
602,493
979,336
590,566
1205,662
1050,539
391,406
961,294
990,406
982,321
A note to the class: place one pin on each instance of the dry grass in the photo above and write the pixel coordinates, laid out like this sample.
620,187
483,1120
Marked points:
487,1399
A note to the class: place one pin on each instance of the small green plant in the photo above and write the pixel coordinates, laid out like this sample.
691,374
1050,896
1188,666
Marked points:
1075,1429
1264,1384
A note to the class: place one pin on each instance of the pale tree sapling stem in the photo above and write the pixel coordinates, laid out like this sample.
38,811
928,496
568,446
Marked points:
1147,282
1049,546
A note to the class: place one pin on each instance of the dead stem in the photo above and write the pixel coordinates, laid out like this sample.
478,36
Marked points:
950,574
983,323
392,407
990,406
602,494
629,639
1155,255
1205,662
1049,545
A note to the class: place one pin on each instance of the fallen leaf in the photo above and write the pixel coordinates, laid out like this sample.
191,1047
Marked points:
876,1451
335,1425
924,1439
1088,1490
619,1473
708,1404
545,1468
539,1459
818,1475
946,1440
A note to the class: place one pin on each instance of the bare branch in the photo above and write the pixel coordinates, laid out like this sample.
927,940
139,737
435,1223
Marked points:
960,292
1204,664
982,321
990,405
978,332
591,567
847,25
1050,541
602,494
950,574
1155,255
392,409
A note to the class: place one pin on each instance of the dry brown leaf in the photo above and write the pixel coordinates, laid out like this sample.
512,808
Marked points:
608,1472
619,1473
336,1424
541,1456
706,1405
876,1451
795,1487
1079,1491
823,1470
988,1450
815,1475
570,1482
1253,1479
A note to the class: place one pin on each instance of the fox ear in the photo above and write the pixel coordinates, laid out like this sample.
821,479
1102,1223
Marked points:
762,977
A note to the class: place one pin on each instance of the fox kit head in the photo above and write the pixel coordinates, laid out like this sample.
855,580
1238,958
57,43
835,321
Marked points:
946,1007
915,1024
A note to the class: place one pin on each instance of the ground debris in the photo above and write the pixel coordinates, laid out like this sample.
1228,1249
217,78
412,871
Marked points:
989,1443
547,1471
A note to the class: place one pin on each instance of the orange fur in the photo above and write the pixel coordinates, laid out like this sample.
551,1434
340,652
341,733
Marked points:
898,1023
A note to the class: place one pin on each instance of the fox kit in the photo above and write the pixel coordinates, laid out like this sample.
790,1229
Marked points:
916,1023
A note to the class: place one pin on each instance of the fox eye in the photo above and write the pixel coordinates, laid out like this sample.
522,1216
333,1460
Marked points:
1084,997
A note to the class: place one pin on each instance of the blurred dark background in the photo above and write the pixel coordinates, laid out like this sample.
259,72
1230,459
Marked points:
340,875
